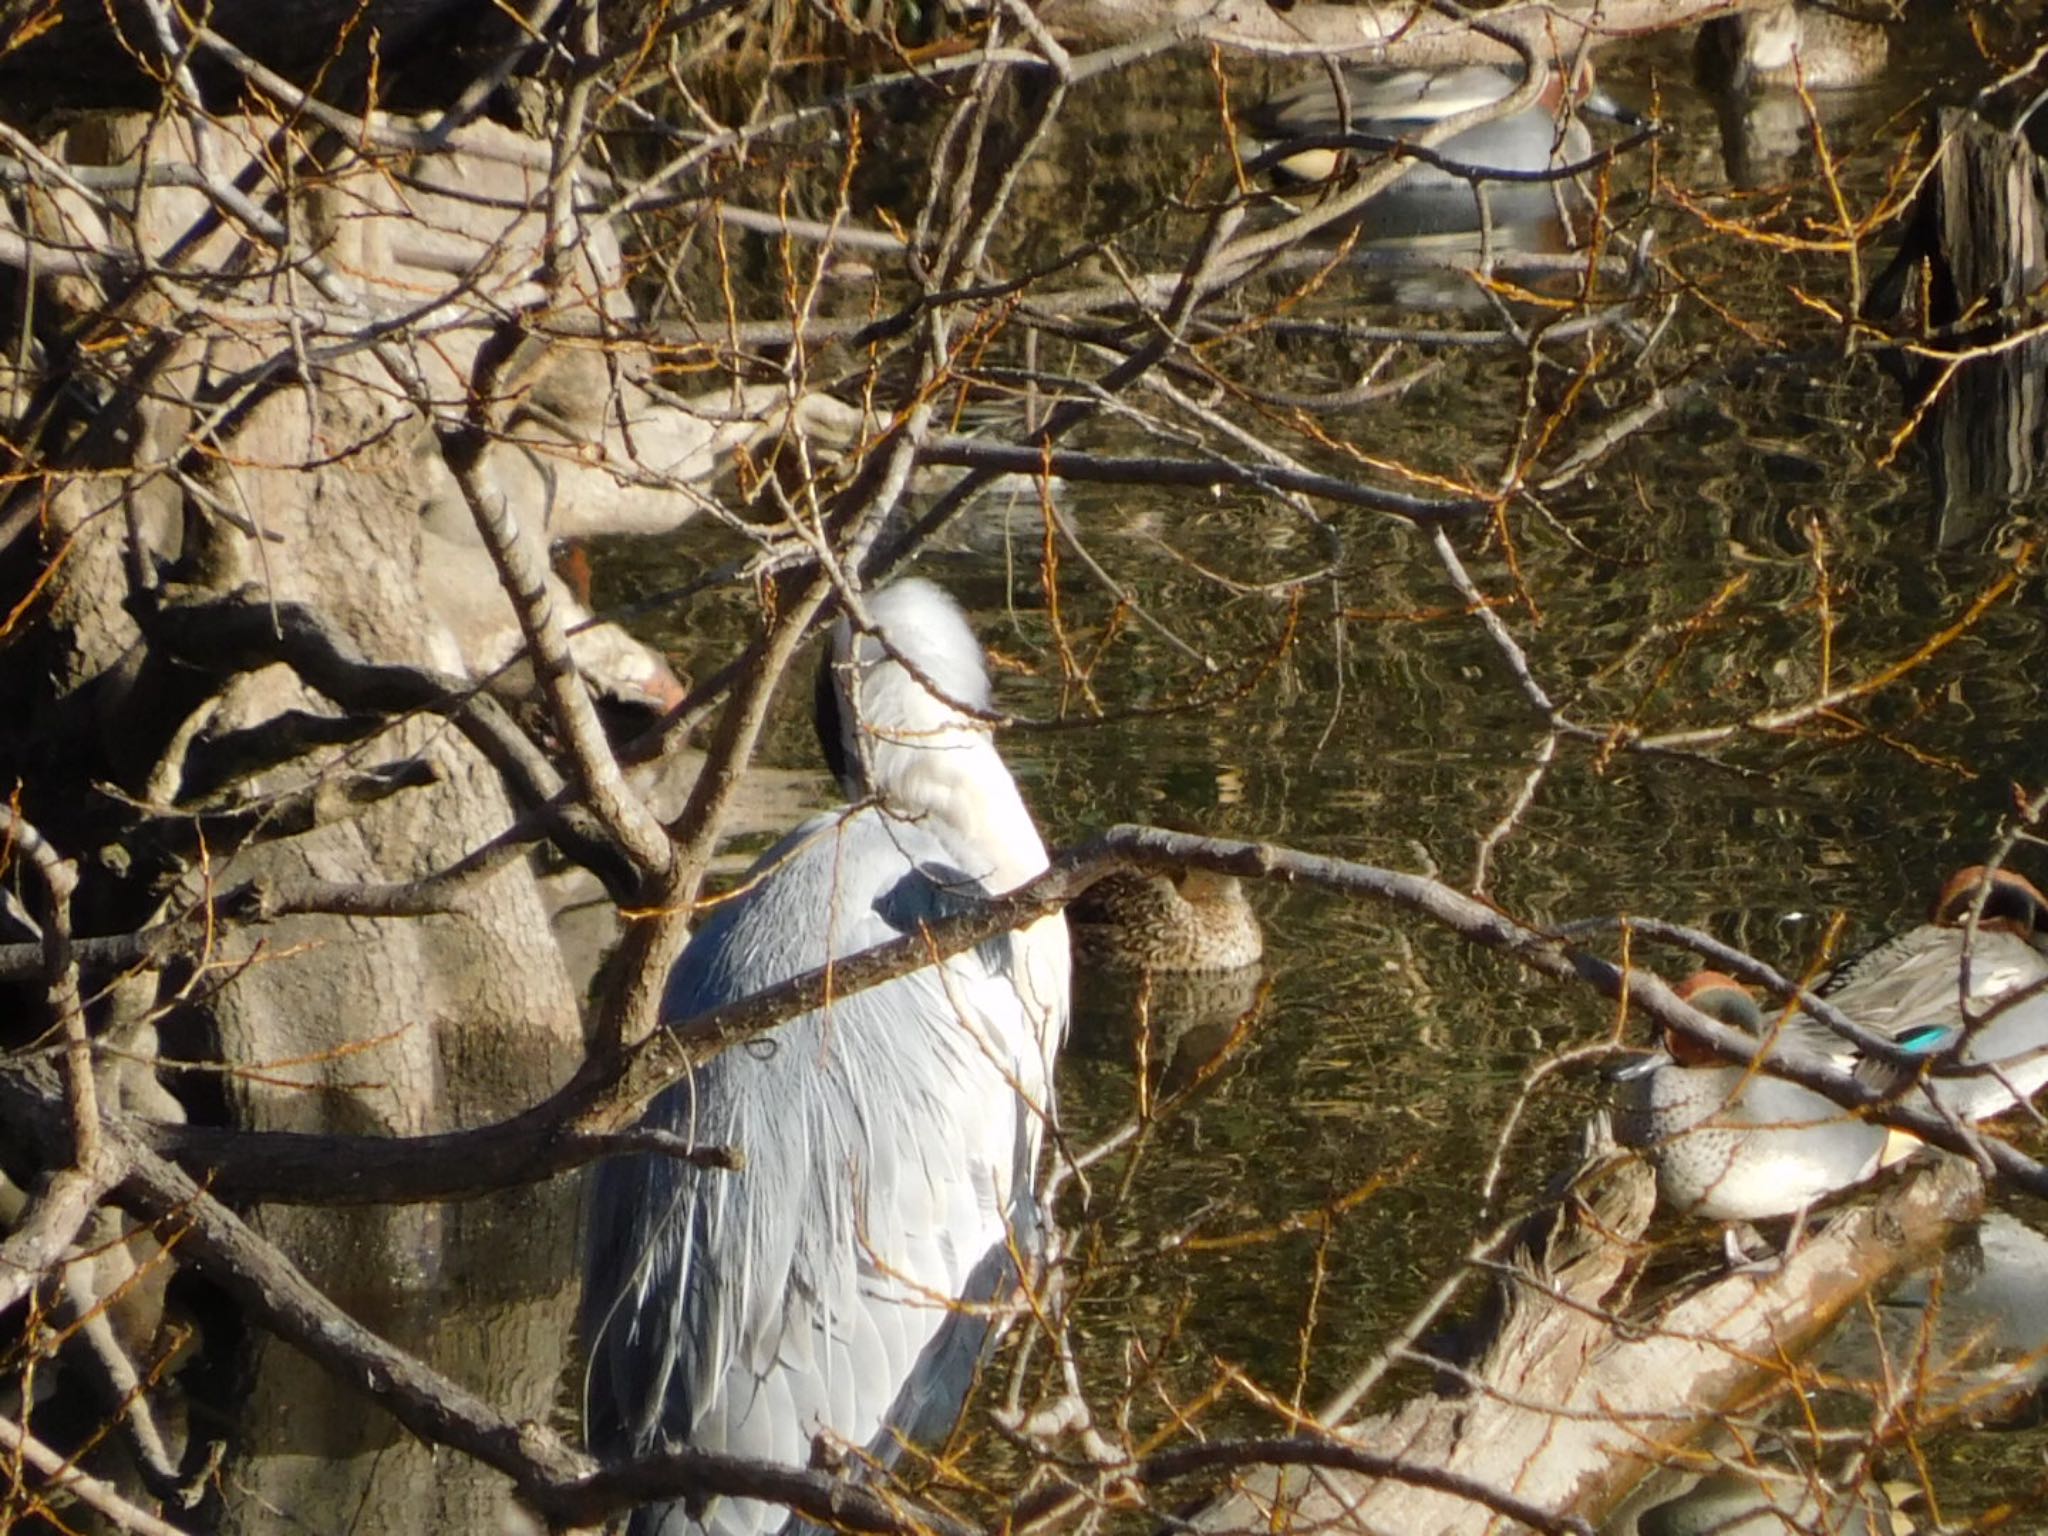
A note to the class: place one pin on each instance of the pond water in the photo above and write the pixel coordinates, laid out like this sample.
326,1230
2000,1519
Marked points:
1304,1205
1747,543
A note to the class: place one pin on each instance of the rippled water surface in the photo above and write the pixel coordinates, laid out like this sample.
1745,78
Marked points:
1331,1174
1751,545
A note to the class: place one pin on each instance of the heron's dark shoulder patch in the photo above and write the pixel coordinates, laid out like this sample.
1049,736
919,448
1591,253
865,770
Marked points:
932,890
926,892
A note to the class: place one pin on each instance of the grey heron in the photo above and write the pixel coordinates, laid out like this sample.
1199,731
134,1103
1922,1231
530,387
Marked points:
840,1282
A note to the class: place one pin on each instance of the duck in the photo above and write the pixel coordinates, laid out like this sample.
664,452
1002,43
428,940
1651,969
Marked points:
479,634
1754,66
1785,46
1190,921
1383,107
1767,1501
1734,1144
1908,990
1974,1325
1174,965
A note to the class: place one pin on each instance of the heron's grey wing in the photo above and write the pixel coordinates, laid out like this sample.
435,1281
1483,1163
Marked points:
746,1311
987,1077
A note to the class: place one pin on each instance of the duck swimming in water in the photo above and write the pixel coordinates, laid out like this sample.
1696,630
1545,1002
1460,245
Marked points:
1193,920
1786,46
1381,108
1983,1055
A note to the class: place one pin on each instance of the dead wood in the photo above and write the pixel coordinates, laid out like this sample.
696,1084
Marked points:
1575,1401
1967,276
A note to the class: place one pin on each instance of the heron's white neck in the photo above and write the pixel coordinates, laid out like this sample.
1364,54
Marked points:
917,742
954,781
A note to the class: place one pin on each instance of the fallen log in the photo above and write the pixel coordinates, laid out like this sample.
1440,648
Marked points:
1580,1396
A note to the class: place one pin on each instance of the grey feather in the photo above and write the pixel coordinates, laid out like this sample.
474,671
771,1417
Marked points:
838,1283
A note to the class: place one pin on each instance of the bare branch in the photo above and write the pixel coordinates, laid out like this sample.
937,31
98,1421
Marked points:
90,1491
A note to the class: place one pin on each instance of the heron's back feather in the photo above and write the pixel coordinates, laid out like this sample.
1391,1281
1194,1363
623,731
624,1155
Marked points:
890,1140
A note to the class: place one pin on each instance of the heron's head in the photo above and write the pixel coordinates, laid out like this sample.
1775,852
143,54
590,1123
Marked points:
2012,905
875,713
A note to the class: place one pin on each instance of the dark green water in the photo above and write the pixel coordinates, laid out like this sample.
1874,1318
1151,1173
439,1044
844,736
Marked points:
1744,546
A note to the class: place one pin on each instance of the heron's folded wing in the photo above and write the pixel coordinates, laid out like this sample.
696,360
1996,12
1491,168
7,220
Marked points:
823,1284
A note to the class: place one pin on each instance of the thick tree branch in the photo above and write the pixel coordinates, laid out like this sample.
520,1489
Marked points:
577,1124
244,631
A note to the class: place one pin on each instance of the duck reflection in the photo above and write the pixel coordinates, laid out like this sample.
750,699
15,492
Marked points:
1773,73
1760,1500
1970,1334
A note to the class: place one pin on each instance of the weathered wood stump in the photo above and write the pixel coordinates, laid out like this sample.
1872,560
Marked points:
1968,274
1581,1395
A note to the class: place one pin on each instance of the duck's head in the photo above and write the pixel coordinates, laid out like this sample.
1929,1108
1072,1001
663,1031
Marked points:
1721,998
1770,38
2012,905
1572,83
1208,887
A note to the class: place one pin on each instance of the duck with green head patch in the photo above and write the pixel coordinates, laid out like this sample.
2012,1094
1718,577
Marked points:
1985,1047
1733,1143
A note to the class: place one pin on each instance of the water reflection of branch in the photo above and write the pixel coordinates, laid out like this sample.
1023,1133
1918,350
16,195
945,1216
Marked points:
1497,631
1624,736
1539,769
1202,474
1327,532
1773,721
